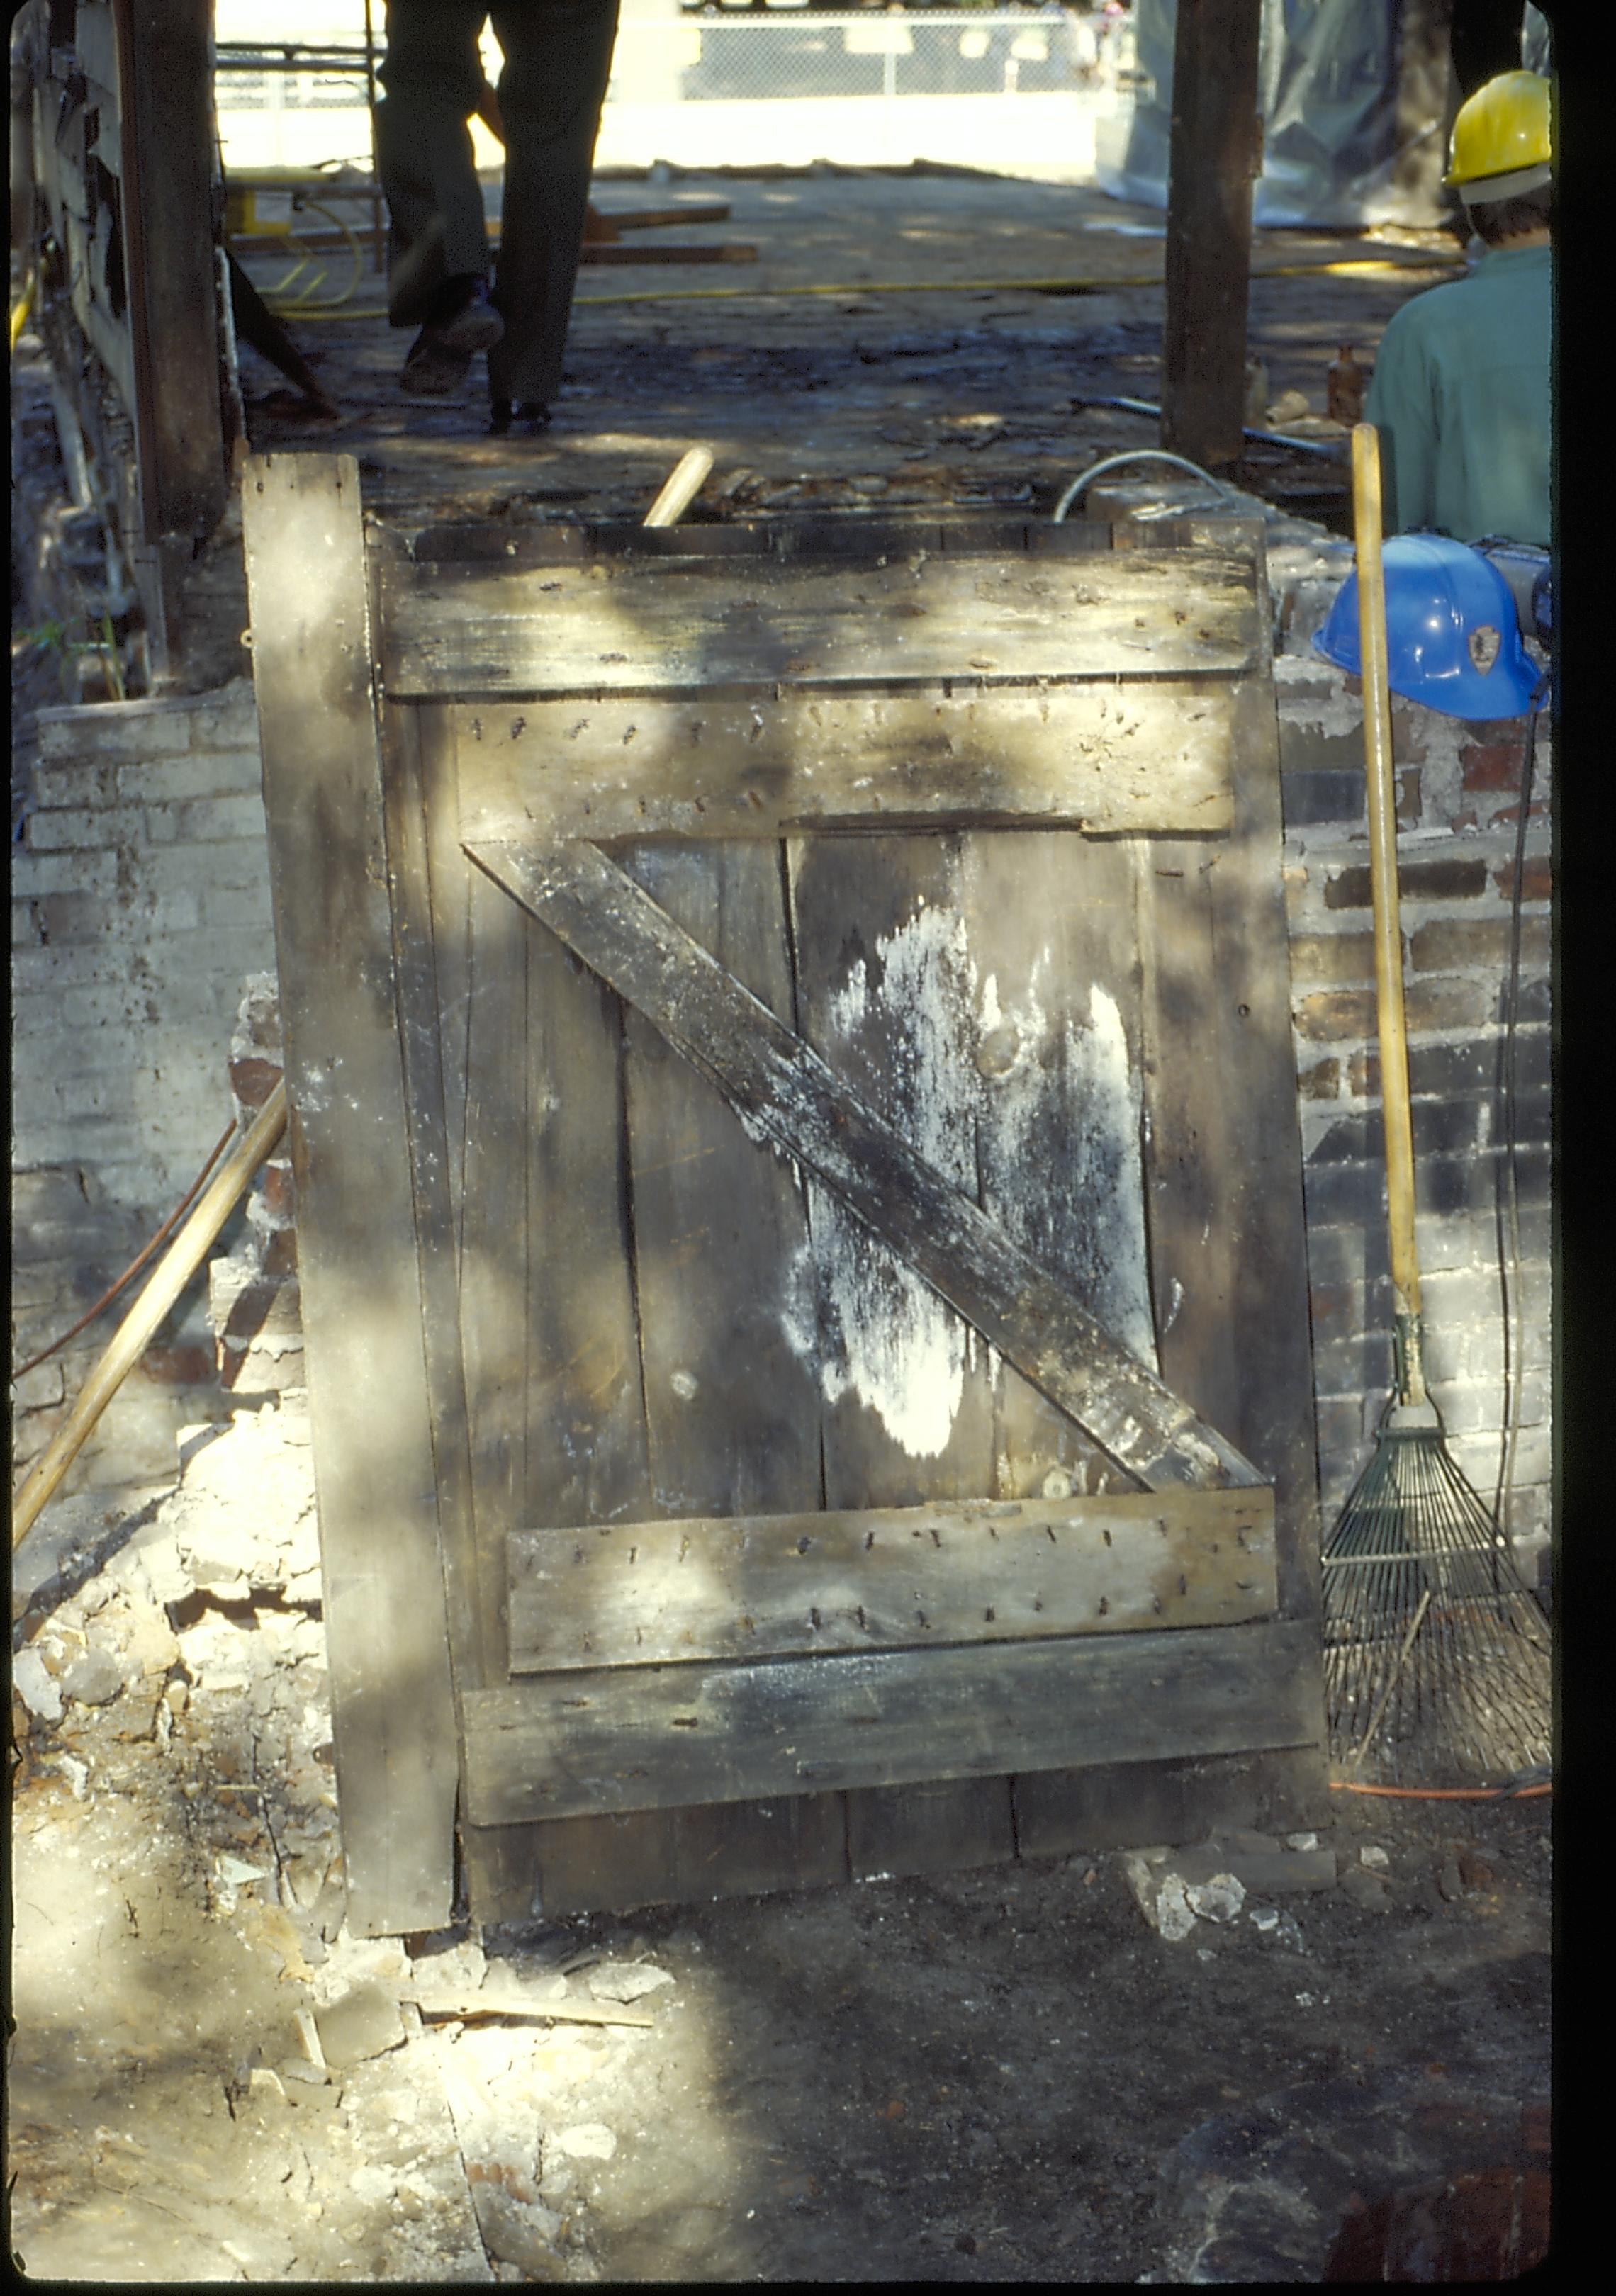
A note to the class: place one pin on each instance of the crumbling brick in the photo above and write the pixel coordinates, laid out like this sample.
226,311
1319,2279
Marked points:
1418,881
1320,1081
1335,1012
252,1081
1493,765
1333,958
1537,877
1453,944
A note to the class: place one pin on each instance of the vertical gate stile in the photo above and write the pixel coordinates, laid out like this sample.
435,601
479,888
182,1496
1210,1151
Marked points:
421,1037
393,1709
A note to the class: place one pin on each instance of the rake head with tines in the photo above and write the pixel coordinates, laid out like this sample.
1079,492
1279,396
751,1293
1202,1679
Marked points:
1437,1657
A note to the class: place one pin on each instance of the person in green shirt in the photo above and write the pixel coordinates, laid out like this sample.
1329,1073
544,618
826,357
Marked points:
1461,394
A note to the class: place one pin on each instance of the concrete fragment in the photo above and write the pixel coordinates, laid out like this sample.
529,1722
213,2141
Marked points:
1373,1856
235,1873
525,2233
1265,1918
153,1645
1175,1916
588,2140
1366,1889
625,1981
363,2024
36,1686
1302,1841
95,1679
1217,1899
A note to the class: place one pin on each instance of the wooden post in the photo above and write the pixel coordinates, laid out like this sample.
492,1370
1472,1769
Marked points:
1216,156
393,1694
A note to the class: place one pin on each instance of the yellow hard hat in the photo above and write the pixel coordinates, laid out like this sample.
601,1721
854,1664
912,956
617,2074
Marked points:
1501,144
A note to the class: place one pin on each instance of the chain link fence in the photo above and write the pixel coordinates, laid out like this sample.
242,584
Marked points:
733,88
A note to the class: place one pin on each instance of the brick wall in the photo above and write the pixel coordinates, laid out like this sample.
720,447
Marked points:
1458,792
140,898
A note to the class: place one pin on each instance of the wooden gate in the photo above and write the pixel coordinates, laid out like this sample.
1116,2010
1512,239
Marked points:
800,1198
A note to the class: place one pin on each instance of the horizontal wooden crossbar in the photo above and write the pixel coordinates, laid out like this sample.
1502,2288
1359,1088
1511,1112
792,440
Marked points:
692,625
644,1594
625,1738
1150,755
779,1085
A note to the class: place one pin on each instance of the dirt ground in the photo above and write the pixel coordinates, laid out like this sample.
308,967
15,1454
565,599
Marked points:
975,2076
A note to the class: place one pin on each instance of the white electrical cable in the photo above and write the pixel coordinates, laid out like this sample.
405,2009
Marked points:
1137,455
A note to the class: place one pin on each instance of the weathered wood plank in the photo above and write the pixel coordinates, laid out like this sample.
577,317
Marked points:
166,87
888,1577
938,1825
1051,931
650,1737
550,1151
393,1713
583,1405
883,1003
1101,757
494,1249
882,998
1274,1422
663,1857
651,624
436,1236
720,1234
780,1084
1129,1806
721,1254
449,879
1223,1151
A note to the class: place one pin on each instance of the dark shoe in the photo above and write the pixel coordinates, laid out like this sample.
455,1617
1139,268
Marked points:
442,352
522,413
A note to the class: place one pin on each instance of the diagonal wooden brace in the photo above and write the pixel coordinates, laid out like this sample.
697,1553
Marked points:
780,1086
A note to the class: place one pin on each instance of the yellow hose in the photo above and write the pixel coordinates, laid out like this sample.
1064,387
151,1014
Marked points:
20,309
1366,267
286,306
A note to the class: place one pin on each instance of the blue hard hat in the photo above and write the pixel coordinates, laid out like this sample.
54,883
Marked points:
1453,636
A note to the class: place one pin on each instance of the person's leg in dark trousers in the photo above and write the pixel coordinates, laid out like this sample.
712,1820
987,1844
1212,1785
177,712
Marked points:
431,78
558,60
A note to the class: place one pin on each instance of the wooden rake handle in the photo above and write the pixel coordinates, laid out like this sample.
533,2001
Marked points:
1381,792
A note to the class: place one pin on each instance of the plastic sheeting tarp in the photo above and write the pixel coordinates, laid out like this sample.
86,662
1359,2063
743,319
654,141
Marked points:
1343,144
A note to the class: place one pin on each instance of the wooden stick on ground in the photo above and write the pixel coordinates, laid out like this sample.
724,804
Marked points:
129,1343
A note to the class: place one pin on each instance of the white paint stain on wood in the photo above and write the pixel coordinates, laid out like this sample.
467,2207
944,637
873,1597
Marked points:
951,1044
888,1339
